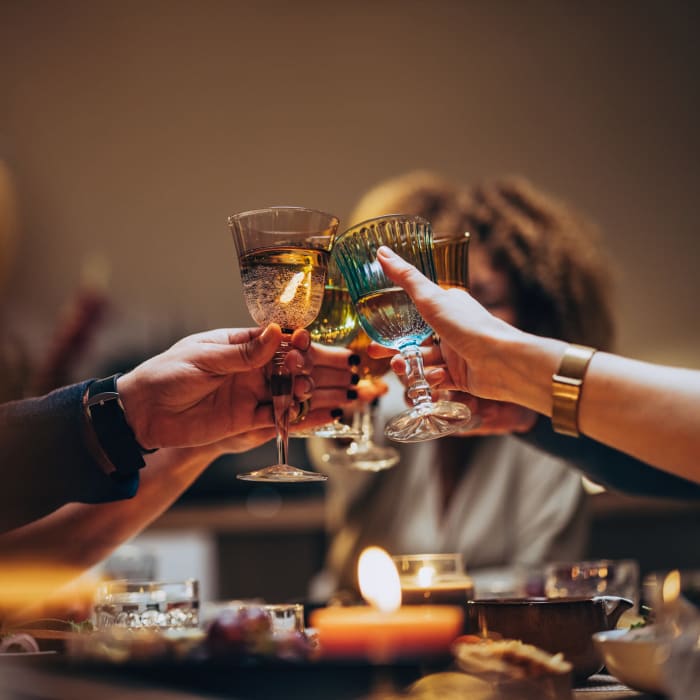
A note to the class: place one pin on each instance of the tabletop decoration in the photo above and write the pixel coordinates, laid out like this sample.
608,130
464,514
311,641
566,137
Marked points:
384,631
437,579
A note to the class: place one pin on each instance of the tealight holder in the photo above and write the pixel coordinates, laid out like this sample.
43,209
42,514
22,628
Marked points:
147,604
433,579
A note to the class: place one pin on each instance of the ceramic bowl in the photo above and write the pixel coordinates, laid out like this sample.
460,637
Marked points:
635,657
555,625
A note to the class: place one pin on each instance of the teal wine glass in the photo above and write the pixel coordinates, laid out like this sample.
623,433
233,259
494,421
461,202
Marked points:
389,316
283,256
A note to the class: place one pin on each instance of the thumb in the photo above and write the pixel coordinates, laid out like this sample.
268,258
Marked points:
416,284
243,353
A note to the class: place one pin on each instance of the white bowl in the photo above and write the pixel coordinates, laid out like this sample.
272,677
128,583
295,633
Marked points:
636,657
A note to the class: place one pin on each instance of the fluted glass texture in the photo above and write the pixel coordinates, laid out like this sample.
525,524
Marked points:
385,311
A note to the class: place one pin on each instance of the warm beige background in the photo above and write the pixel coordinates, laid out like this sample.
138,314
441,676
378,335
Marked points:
134,128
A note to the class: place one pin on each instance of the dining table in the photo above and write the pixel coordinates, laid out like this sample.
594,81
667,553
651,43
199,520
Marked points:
45,679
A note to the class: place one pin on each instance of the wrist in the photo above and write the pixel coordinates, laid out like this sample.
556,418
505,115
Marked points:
529,363
135,412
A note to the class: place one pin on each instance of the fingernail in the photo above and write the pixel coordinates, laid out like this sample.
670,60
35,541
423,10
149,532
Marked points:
336,413
352,394
355,379
354,360
265,334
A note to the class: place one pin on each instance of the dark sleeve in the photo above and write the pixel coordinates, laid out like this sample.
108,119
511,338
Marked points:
609,467
45,462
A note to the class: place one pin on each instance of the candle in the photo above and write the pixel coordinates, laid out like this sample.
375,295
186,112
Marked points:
384,631
437,579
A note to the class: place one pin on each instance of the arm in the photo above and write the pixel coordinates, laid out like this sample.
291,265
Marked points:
648,411
206,388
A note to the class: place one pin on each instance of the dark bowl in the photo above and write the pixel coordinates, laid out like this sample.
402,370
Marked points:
556,625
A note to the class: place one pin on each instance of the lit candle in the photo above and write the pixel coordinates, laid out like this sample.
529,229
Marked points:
437,579
385,631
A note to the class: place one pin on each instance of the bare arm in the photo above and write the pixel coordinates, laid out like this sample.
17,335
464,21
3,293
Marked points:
649,411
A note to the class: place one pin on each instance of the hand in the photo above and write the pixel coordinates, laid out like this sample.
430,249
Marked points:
466,330
211,386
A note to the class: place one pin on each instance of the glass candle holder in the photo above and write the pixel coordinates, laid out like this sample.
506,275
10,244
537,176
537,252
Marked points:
593,578
147,604
435,579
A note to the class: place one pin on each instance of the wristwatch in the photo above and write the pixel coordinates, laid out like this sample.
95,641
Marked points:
105,412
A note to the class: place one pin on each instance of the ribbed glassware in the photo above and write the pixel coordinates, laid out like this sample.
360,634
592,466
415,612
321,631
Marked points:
389,317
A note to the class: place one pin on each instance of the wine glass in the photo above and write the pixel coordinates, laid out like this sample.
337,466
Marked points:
363,453
451,253
336,325
283,256
389,316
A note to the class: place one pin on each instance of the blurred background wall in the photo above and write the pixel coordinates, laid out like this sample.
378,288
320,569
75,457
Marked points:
133,128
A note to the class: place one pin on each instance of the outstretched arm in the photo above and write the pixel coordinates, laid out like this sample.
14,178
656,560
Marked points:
649,411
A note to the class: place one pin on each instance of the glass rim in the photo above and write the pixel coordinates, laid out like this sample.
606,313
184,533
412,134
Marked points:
421,557
253,212
457,238
383,217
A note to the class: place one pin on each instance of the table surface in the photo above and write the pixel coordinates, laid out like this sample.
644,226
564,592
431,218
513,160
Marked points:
32,682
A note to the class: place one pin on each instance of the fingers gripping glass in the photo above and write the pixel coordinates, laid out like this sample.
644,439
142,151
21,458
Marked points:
283,257
389,316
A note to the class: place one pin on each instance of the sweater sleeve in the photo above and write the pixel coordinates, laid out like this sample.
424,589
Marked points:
45,461
609,467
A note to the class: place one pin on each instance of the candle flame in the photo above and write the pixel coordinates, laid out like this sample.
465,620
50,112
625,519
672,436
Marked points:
425,576
671,589
379,580
291,287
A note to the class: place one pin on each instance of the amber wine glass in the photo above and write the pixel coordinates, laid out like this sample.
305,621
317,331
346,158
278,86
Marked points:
283,256
390,317
451,254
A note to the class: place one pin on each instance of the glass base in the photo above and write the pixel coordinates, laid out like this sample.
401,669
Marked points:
428,421
331,430
282,473
373,458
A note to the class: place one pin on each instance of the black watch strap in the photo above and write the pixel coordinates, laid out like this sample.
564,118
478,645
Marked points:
117,440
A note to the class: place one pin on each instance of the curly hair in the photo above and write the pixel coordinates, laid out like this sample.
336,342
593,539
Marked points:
560,278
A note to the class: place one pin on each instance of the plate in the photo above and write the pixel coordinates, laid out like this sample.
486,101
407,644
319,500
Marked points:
635,657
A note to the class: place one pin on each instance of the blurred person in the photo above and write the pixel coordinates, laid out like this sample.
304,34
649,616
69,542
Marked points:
502,503
646,410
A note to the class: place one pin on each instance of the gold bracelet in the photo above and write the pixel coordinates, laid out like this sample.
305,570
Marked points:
567,385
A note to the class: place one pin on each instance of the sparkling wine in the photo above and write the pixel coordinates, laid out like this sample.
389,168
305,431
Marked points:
284,285
370,367
391,318
336,322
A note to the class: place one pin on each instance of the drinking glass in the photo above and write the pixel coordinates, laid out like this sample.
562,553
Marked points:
593,578
147,604
451,253
283,257
434,579
363,453
336,325
389,316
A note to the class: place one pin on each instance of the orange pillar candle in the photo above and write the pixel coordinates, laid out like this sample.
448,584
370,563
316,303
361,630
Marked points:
384,631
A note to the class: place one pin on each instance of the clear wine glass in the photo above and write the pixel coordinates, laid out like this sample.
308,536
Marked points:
335,325
389,316
363,453
283,256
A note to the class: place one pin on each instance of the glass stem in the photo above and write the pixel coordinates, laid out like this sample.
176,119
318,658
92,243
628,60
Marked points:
418,388
281,383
